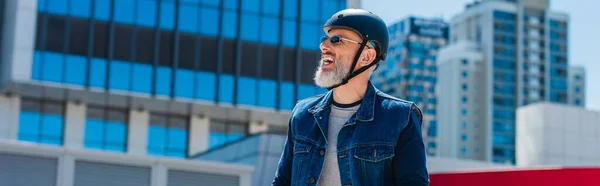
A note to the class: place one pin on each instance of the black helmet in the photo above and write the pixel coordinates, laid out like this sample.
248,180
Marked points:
369,26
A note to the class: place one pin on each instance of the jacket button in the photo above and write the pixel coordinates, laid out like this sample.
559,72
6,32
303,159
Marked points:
312,180
322,152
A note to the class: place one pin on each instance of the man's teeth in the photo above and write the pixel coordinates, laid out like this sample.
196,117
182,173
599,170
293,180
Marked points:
327,60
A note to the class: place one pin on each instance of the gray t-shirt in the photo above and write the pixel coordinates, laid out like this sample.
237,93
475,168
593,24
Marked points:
338,117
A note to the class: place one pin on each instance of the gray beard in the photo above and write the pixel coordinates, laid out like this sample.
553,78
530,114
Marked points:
326,79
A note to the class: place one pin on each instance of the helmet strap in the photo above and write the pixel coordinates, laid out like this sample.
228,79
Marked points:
353,73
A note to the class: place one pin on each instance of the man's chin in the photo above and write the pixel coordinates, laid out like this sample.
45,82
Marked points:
325,82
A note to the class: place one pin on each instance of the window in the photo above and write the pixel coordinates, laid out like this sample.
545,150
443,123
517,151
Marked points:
251,6
270,62
286,96
246,89
78,37
289,33
209,21
146,13
80,8
230,4
271,7
309,39
168,135
188,18
289,64
122,42
309,65
309,10
187,48
41,121
120,75
144,46
167,15
101,39
123,11
57,6
249,23
166,48
267,93
208,49
106,128
75,68
269,30
222,132
328,8
226,88
290,10
98,75
229,57
249,62
55,33
102,9
229,25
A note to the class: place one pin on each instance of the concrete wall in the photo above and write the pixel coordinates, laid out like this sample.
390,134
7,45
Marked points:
160,166
557,134
9,115
18,40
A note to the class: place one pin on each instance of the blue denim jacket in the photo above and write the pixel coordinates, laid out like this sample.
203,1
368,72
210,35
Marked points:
381,144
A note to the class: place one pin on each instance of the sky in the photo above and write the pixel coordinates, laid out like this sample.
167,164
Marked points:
584,29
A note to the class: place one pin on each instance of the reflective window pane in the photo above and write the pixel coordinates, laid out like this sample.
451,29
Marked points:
55,33
286,96
80,8
123,11
101,39
144,46
268,93
184,83
226,88
187,51
289,64
209,23
229,25
305,91
290,10
146,13
250,5
166,48
249,59
98,75
122,42
230,4
167,15
246,91
208,49
188,18
102,9
269,30
271,7
142,78
229,55
57,6
309,10
270,62
249,25
120,77
214,3
52,67
328,8
75,70
308,36
206,85
163,81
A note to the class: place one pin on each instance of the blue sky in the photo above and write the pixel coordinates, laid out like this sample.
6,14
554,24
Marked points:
584,29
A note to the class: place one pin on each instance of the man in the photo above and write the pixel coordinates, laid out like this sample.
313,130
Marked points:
354,134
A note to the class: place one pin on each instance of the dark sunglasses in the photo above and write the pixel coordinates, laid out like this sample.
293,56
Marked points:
337,39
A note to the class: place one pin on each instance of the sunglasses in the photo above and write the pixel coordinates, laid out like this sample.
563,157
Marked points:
338,39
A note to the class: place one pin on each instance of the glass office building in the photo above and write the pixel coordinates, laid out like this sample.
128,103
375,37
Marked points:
410,72
155,77
526,46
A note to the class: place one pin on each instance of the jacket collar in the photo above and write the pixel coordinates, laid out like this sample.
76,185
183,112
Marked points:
364,113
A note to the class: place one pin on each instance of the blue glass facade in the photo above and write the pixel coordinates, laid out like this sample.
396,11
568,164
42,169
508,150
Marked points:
41,121
504,86
410,71
106,129
558,62
254,52
222,132
168,135
260,53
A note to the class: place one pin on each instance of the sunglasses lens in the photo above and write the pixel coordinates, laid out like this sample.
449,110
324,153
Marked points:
335,39
323,38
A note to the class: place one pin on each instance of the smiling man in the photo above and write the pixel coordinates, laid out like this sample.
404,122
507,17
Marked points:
353,134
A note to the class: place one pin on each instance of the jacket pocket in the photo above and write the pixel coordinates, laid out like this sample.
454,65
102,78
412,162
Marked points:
302,147
374,153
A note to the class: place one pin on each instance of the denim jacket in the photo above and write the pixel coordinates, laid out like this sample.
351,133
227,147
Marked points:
381,144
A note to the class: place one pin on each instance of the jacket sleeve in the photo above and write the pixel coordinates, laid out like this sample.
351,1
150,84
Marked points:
410,168
283,174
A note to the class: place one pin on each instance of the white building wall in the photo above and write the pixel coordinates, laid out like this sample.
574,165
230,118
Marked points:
74,125
137,137
581,84
18,40
557,134
450,93
10,107
199,134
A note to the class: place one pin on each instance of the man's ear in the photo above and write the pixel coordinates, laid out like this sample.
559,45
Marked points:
368,57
